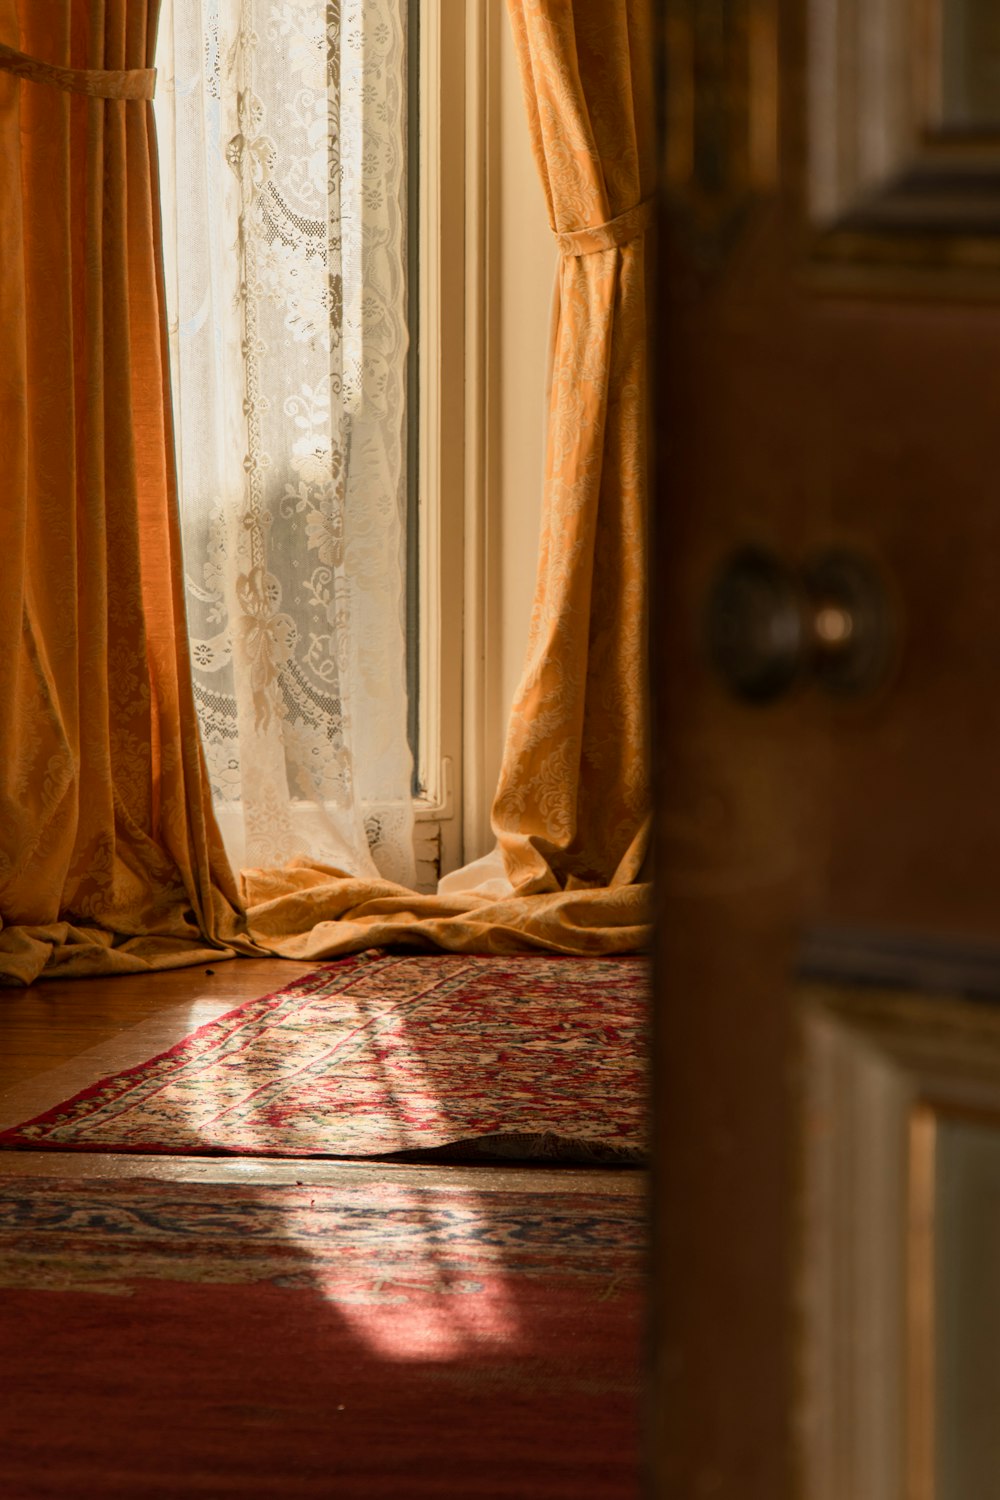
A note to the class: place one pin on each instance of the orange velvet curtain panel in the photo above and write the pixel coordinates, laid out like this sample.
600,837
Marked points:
109,856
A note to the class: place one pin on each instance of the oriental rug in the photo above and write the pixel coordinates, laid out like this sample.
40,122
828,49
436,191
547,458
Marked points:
390,1055
376,1339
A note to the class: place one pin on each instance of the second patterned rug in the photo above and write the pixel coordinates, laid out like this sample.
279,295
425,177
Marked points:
412,1337
391,1055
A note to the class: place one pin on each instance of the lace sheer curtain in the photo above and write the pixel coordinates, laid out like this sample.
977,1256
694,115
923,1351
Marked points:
282,133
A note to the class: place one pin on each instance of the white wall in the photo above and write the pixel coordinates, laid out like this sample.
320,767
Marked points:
526,261
510,262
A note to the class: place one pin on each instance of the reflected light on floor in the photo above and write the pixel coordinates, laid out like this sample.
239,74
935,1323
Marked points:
413,1293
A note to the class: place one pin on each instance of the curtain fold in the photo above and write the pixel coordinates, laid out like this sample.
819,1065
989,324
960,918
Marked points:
571,810
110,860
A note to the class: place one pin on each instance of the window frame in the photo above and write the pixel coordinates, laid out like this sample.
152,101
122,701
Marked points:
458,478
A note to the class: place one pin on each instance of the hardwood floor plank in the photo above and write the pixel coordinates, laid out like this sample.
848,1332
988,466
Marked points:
59,1038
48,1025
621,1183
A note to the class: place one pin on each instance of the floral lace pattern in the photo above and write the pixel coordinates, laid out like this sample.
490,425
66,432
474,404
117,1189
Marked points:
283,138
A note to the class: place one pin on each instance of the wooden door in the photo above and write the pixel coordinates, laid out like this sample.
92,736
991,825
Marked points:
828,861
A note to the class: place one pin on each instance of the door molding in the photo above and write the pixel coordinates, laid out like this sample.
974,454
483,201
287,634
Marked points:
897,192
882,1071
908,960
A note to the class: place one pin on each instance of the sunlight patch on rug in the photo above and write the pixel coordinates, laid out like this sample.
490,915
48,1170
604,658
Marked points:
415,1273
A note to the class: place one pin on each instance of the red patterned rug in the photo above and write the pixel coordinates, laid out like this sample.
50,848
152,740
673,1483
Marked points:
390,1055
370,1339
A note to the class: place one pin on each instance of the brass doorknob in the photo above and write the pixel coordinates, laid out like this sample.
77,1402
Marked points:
772,627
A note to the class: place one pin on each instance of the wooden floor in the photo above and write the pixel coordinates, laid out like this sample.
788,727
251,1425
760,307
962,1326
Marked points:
53,1021
60,1036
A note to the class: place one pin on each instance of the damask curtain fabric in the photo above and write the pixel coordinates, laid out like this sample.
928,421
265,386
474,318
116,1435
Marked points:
572,807
571,812
283,145
110,860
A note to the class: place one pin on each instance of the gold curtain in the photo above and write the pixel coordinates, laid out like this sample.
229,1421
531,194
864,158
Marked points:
572,804
109,856
571,811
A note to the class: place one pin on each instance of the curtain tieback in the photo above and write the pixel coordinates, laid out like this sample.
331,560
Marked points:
99,83
610,236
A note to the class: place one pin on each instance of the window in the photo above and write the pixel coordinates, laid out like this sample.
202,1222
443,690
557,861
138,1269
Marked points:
447,70
285,130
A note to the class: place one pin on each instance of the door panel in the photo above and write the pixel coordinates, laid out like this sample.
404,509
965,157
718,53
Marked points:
822,383
913,397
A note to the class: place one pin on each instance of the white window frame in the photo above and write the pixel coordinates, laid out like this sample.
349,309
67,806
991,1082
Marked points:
458,488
